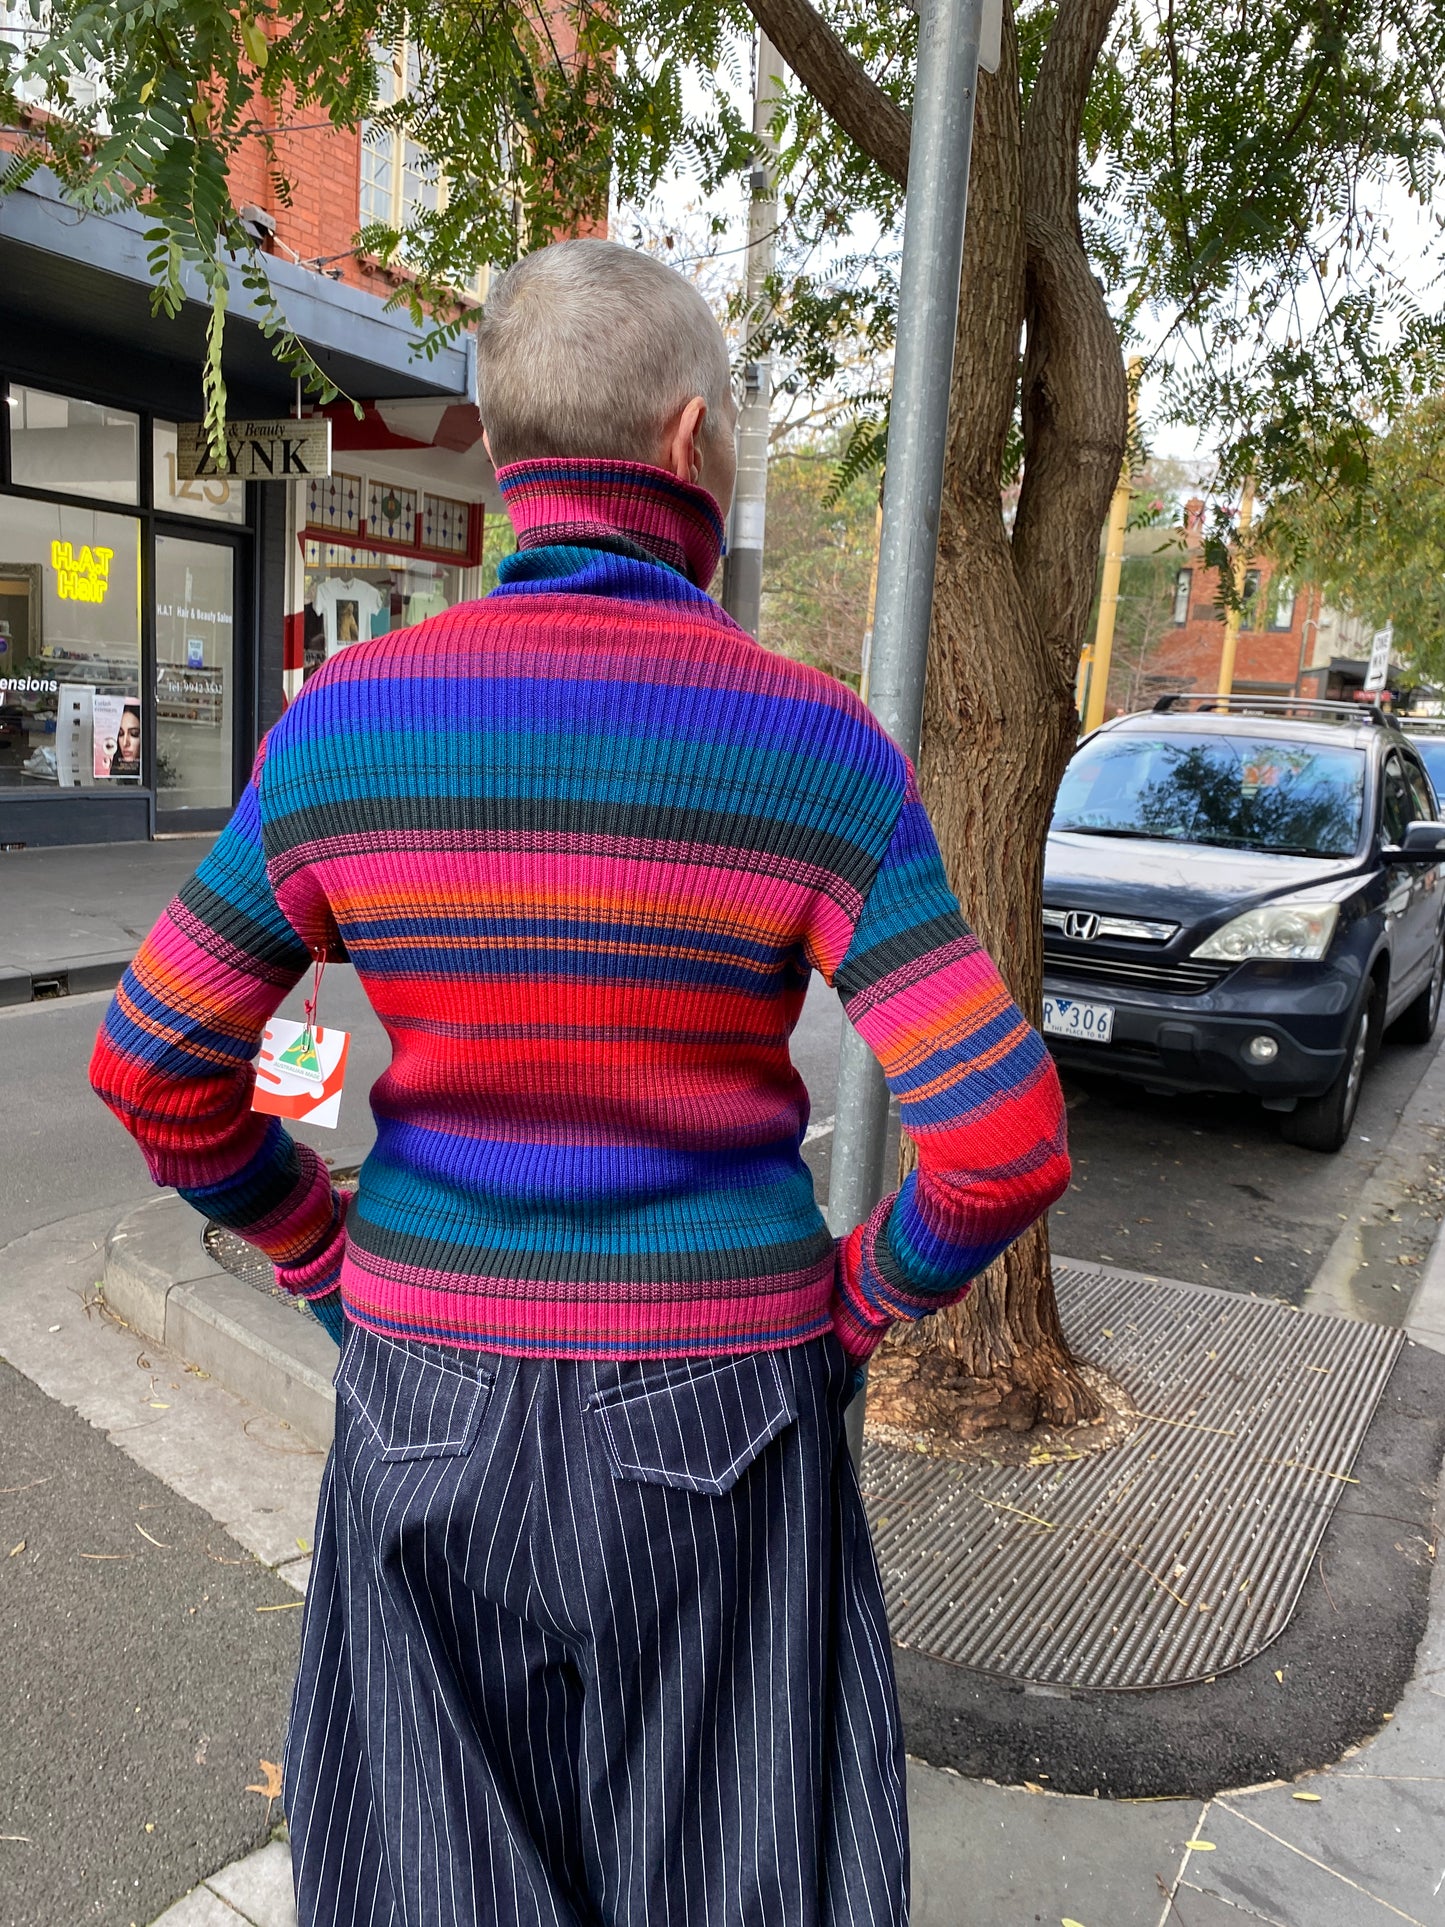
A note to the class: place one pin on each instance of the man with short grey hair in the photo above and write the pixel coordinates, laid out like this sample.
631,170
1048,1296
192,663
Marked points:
594,1634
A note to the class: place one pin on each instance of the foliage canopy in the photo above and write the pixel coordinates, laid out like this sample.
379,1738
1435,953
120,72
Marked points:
1243,169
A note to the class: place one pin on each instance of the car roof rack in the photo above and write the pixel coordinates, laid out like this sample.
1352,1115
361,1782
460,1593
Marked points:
1307,708
1426,725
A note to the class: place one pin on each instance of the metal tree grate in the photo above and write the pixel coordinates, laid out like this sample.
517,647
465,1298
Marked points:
1172,1557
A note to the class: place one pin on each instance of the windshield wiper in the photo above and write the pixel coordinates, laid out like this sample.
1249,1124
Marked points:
1090,829
1261,849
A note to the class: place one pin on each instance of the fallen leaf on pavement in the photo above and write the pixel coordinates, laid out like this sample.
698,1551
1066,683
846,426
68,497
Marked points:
1306,1796
1200,1846
14,1549
270,1788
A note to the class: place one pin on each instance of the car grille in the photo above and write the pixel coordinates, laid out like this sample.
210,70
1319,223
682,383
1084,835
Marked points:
1189,977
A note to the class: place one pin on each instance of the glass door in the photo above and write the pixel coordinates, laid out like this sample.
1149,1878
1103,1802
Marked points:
195,592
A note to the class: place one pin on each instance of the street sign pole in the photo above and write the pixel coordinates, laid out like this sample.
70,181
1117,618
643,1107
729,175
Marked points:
946,83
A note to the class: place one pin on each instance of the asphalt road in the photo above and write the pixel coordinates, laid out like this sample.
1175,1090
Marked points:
145,1674
63,1153
1205,1188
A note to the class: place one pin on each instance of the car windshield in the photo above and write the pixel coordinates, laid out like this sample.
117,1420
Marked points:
1241,792
1431,751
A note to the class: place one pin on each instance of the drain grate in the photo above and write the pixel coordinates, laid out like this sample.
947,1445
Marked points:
1176,1555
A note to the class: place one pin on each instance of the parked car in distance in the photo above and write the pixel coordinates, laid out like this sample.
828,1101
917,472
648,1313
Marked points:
1243,895
1427,739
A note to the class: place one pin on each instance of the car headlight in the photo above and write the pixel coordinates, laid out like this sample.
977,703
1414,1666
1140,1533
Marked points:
1298,932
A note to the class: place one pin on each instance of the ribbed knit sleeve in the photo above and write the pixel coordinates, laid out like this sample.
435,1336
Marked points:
174,1061
977,1090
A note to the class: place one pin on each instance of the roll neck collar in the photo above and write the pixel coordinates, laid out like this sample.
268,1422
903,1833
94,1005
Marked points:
624,506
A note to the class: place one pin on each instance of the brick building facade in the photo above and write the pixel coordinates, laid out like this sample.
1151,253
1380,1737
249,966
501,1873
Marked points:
1291,642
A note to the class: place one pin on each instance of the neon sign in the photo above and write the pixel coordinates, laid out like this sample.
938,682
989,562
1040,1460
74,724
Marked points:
82,577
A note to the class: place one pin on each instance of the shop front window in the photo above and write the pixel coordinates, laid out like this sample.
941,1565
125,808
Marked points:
212,499
73,447
71,710
195,673
353,594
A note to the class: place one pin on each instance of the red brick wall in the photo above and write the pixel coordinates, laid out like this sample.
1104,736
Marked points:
323,167
1188,656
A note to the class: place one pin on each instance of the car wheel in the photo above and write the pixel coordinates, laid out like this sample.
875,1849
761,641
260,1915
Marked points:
1323,1123
1416,1024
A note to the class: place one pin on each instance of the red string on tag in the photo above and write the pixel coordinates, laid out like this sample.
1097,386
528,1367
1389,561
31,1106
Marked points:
314,999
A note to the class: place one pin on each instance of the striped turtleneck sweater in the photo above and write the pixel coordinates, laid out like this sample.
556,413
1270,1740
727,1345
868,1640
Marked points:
584,841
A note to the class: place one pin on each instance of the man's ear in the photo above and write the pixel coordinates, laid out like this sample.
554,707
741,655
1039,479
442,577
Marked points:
682,454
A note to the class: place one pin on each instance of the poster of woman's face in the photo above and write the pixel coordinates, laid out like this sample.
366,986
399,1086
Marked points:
116,738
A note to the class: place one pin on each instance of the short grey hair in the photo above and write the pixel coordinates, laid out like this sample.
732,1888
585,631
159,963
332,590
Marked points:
590,348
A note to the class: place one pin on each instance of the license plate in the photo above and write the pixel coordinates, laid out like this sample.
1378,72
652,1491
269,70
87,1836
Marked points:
1067,1017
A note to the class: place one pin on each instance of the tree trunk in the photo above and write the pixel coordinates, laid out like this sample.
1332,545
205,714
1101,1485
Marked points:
999,724
1009,611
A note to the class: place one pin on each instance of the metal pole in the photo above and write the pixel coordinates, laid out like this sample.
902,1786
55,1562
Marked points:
943,101
742,594
867,655
1101,657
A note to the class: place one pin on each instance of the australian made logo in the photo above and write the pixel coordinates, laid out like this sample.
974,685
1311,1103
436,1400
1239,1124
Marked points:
285,450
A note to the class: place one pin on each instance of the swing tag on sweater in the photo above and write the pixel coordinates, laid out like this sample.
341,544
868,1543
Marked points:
302,1067
300,1072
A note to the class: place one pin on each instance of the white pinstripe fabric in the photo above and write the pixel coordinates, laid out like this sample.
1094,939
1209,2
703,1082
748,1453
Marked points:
594,1645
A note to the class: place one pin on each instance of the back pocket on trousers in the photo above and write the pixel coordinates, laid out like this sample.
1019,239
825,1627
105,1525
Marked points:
412,1404
697,1426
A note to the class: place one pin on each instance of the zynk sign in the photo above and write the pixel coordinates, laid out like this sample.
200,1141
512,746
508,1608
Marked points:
287,450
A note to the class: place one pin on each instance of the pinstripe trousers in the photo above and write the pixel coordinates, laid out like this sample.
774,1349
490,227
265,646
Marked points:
594,1645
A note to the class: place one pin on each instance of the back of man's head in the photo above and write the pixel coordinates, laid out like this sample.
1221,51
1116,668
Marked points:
588,348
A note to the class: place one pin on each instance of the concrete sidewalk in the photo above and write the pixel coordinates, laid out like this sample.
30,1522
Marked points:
74,917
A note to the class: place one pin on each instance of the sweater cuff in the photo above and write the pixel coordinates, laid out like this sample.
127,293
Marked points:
319,1273
860,1323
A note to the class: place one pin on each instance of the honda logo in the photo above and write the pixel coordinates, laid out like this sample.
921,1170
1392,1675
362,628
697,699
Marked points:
1081,925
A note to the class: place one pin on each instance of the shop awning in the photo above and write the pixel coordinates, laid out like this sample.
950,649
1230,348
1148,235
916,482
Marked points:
75,310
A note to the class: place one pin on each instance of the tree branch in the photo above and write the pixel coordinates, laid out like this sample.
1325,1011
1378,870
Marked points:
1075,398
1056,109
841,87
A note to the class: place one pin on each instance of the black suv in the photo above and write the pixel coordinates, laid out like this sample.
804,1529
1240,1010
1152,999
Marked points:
1242,895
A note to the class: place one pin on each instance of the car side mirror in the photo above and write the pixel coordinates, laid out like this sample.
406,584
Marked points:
1424,843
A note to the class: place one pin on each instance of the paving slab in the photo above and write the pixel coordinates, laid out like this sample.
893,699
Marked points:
83,906
200,1908
1258,1870
991,1856
259,1887
256,1476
